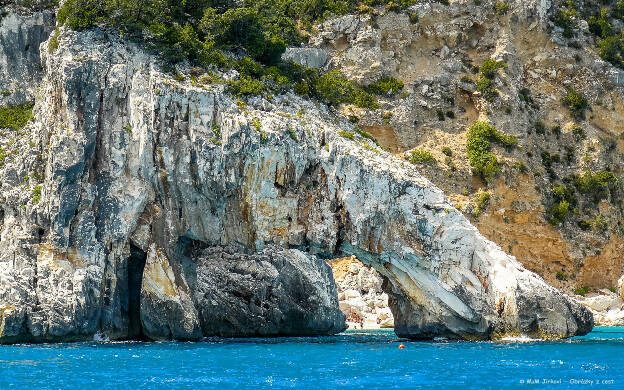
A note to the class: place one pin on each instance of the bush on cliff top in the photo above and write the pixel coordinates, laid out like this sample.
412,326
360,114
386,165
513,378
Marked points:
192,29
33,5
203,31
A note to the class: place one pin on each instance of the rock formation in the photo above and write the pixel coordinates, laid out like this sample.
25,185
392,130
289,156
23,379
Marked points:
436,49
115,210
21,34
273,292
606,306
361,295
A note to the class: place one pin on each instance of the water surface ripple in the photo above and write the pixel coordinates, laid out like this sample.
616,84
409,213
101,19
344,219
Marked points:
354,360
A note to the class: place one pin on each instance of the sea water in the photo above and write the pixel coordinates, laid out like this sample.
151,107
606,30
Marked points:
353,360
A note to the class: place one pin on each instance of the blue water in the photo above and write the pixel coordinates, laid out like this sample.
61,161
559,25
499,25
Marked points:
354,360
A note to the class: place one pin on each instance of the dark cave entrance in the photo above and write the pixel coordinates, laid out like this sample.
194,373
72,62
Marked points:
136,264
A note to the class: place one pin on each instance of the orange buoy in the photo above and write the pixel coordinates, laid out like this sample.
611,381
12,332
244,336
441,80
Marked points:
402,346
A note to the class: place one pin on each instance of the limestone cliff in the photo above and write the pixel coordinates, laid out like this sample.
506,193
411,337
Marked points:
436,49
21,33
127,174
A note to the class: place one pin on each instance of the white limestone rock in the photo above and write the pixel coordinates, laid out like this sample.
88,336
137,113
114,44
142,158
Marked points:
126,156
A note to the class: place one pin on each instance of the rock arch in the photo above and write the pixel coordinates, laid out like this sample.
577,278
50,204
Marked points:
286,173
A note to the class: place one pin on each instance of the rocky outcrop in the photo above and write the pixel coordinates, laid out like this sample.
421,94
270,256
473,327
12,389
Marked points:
606,306
361,295
437,56
21,33
127,165
273,292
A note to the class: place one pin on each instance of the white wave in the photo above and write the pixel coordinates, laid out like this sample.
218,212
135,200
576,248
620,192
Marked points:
100,338
520,339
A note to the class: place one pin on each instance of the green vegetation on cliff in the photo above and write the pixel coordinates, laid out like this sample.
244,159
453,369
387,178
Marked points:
217,32
604,19
483,162
15,117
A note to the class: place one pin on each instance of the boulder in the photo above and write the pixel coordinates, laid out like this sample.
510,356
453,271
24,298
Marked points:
274,292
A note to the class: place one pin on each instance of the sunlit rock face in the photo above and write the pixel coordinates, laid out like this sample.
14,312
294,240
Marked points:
21,33
139,170
361,295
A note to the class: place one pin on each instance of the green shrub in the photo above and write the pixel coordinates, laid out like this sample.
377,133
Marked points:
599,224
564,18
293,134
481,203
346,134
36,192
561,275
245,86
564,200
584,224
15,117
576,102
618,10
53,42
549,159
334,88
599,24
366,135
419,156
483,162
387,86
578,132
501,7
582,291
489,68
521,166
487,72
447,151
540,128
558,212
364,99
247,29
595,183
611,49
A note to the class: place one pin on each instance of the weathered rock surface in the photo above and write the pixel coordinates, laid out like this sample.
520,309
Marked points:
167,309
437,58
126,159
361,295
606,306
273,292
20,64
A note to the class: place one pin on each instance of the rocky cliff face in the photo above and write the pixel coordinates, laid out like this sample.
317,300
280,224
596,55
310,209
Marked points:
128,174
21,34
436,52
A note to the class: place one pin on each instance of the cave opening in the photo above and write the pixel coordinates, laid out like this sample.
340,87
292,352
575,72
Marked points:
136,265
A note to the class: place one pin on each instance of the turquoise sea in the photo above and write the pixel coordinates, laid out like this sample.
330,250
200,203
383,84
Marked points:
354,360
